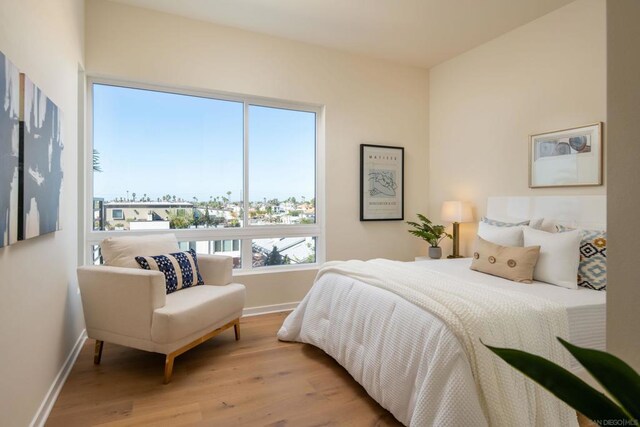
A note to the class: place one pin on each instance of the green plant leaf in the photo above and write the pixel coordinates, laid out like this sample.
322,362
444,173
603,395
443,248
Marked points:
418,233
427,231
618,378
424,219
563,384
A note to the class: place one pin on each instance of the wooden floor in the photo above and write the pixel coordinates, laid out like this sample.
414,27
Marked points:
257,381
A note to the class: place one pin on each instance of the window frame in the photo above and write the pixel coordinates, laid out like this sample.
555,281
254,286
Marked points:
246,233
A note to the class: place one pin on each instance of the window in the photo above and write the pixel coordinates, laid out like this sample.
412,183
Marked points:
117,214
283,251
230,175
229,248
282,166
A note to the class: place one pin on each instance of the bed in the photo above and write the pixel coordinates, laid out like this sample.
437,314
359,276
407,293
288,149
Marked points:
414,360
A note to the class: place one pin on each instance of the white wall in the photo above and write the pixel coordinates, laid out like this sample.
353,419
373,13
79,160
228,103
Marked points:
366,100
40,310
623,111
549,74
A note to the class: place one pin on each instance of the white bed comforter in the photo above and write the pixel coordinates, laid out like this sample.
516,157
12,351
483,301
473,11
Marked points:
420,356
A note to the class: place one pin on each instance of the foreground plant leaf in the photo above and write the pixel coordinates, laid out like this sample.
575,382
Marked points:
563,384
618,378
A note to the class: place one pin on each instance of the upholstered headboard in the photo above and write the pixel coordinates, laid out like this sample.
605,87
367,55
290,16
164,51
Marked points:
573,211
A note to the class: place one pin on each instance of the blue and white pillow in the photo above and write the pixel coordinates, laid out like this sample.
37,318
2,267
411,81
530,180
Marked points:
592,271
180,269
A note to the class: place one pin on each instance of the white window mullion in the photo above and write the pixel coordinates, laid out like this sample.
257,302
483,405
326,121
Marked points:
256,232
320,188
246,257
88,172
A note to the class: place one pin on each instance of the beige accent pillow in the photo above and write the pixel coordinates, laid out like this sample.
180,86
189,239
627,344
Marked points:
121,251
510,262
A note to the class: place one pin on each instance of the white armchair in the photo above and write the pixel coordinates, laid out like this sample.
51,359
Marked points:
129,306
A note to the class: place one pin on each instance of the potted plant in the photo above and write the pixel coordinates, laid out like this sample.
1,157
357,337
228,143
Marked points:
431,233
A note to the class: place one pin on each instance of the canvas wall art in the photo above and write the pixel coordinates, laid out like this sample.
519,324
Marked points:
9,147
381,183
41,162
566,158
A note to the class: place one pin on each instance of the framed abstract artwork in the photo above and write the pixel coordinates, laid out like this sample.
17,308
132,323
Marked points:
9,148
566,158
381,183
40,155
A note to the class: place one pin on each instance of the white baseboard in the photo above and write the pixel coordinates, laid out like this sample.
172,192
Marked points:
50,398
265,309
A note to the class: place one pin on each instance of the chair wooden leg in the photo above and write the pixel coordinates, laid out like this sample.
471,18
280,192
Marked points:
97,354
236,329
168,363
168,368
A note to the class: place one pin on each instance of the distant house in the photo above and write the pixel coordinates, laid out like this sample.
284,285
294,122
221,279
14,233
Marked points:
141,215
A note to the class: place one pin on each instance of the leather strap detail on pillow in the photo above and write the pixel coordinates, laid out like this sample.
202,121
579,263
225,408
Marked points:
509,262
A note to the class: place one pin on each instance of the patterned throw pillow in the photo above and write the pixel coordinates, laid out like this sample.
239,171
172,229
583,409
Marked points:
180,269
592,271
497,223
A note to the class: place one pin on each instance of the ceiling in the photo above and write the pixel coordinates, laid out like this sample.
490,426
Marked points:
416,32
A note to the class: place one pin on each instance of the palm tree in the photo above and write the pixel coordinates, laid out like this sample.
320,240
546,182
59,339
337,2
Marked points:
96,161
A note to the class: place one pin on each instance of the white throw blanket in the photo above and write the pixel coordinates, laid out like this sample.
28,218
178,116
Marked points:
473,312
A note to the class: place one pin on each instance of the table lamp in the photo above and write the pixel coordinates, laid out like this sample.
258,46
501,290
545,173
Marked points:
456,212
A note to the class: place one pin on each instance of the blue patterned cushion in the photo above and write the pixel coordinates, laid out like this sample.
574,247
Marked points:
592,271
496,223
180,269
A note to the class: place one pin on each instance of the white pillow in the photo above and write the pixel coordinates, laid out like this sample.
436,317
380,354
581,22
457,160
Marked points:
503,236
537,223
547,225
559,256
121,251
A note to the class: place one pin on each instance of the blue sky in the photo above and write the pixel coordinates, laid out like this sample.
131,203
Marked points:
158,143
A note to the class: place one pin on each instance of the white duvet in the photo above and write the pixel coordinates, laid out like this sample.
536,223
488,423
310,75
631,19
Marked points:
419,355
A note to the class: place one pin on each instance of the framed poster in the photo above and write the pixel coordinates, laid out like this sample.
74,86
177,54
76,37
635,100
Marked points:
381,183
566,158
40,162
9,147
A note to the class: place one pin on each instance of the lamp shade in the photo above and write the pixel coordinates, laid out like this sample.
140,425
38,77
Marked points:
456,211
